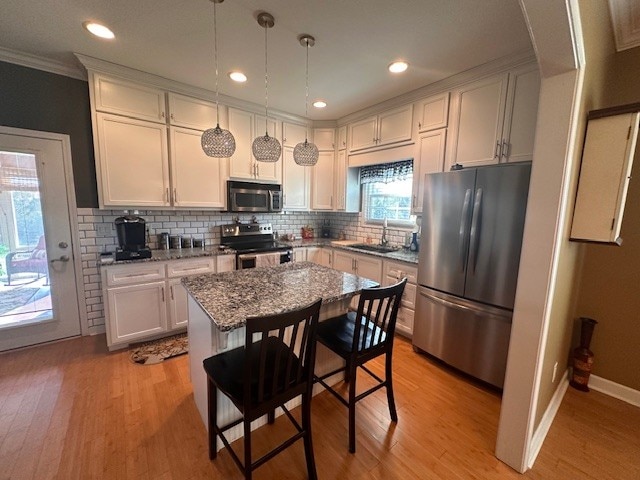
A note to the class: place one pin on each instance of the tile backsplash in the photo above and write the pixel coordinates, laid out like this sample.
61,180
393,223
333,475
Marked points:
97,234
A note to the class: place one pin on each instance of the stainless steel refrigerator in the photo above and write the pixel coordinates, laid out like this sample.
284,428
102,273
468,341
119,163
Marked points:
472,225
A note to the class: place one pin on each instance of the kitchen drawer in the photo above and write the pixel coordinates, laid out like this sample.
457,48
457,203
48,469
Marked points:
134,273
192,266
404,322
398,270
225,263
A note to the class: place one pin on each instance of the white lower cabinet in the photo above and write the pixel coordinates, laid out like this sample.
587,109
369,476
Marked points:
362,265
146,300
393,273
135,312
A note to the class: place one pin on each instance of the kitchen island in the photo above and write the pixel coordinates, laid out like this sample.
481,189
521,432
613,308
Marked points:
219,305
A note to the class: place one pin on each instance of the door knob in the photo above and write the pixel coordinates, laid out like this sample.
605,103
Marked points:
63,244
63,258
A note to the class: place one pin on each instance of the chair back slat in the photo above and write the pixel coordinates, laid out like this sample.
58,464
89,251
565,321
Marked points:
285,348
376,317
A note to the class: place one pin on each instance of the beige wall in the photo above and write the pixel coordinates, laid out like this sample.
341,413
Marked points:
609,287
599,52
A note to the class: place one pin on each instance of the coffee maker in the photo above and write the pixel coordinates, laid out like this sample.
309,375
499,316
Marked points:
132,234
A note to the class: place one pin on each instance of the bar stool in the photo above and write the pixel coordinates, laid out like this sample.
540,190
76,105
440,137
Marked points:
275,366
359,337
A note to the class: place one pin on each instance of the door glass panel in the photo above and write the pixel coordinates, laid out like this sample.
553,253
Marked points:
24,273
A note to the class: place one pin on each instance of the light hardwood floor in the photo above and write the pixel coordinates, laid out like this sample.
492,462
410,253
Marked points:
71,410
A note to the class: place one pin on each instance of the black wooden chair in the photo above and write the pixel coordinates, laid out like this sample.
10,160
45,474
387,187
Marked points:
275,366
362,336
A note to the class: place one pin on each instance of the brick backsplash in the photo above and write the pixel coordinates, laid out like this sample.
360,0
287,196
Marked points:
97,234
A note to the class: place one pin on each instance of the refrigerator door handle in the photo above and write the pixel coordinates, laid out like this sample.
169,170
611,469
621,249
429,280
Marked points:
475,229
493,312
462,236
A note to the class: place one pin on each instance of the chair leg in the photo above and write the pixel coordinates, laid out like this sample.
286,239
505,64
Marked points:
212,410
308,445
352,409
389,382
247,449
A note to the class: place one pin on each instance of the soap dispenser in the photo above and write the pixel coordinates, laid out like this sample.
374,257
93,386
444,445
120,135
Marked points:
414,246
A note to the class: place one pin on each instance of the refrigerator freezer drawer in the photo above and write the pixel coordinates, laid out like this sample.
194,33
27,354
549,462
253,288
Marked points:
469,336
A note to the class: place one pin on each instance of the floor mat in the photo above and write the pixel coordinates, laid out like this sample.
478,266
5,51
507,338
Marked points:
150,353
12,299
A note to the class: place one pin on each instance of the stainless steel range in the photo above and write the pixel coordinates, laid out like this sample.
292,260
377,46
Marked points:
255,244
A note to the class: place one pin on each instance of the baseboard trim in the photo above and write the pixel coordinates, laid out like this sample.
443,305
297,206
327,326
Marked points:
615,390
547,419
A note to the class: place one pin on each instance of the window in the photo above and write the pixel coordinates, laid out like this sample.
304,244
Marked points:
387,191
28,218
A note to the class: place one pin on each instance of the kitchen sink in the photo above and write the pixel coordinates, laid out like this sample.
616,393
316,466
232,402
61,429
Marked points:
373,248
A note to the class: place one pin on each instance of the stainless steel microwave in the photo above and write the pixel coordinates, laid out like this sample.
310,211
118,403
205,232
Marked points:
254,197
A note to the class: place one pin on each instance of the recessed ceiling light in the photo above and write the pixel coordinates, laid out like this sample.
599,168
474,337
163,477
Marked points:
99,30
319,104
238,77
398,67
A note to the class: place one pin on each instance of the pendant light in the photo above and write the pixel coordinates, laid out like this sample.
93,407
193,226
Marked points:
217,142
266,149
305,153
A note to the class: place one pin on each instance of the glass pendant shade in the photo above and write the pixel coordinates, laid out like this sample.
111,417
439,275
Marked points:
217,142
305,154
266,149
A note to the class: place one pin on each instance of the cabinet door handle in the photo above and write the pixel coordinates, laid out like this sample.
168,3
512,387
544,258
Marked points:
284,139
498,150
419,124
171,290
413,201
505,149
162,294
175,195
171,116
167,194
257,169
161,114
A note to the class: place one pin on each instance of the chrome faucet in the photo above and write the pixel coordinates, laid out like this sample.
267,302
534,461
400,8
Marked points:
383,240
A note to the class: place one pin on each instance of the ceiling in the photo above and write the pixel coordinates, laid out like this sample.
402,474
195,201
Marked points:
355,42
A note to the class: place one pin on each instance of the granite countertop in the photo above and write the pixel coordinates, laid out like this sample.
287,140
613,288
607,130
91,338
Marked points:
173,254
229,298
401,254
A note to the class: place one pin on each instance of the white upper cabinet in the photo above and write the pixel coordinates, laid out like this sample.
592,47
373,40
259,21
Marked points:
607,159
197,179
292,134
363,134
324,138
429,158
433,112
132,163
115,95
296,182
342,137
131,138
193,113
322,182
387,128
493,120
520,115
477,120
245,127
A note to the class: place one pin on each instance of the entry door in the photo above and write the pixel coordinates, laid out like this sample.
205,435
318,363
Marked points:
38,289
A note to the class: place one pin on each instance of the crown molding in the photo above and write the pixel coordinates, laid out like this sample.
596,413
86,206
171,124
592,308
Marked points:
102,66
41,63
494,67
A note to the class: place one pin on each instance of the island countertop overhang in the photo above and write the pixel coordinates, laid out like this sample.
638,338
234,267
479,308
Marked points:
230,298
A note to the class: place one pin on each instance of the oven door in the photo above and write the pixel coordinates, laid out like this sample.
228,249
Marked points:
266,259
